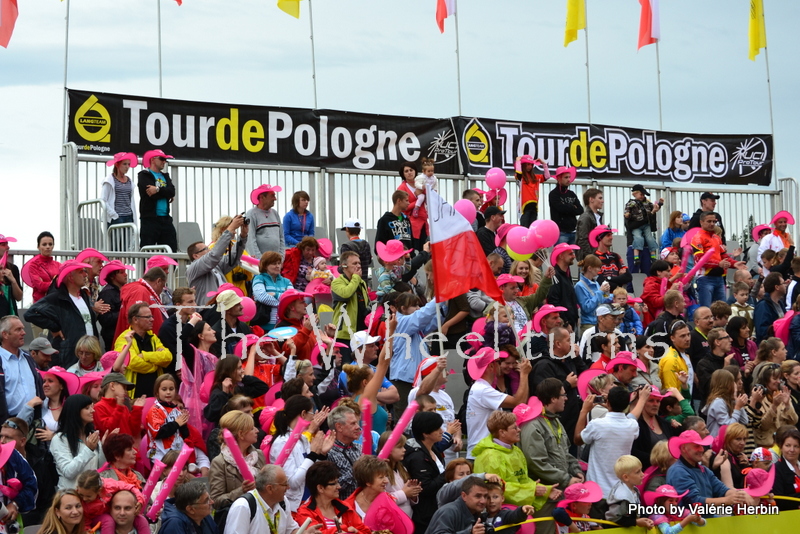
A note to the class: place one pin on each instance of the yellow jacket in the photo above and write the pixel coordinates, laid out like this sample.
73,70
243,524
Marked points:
668,368
143,362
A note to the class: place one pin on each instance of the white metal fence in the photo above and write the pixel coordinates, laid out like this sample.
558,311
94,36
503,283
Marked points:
208,190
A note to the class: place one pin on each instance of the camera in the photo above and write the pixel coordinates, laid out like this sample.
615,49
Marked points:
246,219
760,388
484,517
599,399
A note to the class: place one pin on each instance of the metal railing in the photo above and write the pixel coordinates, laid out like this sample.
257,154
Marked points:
208,190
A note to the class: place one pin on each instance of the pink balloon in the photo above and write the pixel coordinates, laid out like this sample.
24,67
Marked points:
248,309
496,178
546,233
521,241
467,209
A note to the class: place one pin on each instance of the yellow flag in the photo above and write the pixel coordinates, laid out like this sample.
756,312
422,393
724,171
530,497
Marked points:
757,31
290,7
576,20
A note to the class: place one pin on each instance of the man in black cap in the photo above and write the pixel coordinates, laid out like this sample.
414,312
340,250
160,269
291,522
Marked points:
708,202
639,214
42,352
486,234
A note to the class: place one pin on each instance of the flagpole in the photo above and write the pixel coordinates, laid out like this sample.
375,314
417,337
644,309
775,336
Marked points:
430,281
158,2
66,63
769,94
658,71
458,60
313,56
586,45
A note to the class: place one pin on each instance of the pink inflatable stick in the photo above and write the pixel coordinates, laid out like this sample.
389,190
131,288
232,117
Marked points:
294,437
236,452
155,475
699,265
169,483
402,424
366,425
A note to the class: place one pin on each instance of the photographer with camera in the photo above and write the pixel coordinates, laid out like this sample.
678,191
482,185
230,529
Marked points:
209,266
464,515
771,410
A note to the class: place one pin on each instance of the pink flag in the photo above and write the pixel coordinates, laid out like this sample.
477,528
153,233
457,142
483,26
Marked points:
444,8
459,263
8,17
649,23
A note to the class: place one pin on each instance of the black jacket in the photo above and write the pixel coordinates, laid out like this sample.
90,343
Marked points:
360,247
37,380
548,367
562,293
8,306
57,313
644,444
252,387
108,321
147,204
420,466
703,370
486,238
168,334
390,226
565,208
784,485
231,339
656,332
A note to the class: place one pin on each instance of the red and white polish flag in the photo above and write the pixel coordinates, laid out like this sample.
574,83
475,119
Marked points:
8,18
649,23
444,8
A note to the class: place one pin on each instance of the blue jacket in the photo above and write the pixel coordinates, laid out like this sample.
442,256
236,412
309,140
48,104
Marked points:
794,337
293,228
767,312
669,236
18,468
701,482
631,322
176,522
406,355
589,298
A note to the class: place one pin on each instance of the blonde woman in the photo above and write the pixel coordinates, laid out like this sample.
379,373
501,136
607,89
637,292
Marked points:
87,349
238,276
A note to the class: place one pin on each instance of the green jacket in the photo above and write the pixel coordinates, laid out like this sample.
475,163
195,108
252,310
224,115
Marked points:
345,295
510,465
548,458
530,303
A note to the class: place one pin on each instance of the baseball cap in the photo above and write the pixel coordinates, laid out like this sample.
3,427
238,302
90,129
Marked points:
352,223
493,210
116,377
42,345
685,217
708,195
362,338
609,309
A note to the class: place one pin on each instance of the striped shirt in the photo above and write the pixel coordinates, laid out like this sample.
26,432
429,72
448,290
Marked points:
122,197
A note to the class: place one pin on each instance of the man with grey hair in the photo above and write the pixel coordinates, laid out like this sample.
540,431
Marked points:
345,423
267,498
190,511
19,381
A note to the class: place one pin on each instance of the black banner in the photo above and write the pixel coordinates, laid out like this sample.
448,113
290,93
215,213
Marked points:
103,123
613,152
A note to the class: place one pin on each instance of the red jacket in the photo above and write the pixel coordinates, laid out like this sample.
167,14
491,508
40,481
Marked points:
109,415
129,295
304,340
651,295
291,264
702,243
347,516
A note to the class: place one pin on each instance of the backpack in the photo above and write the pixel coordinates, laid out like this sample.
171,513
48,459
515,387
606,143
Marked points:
221,516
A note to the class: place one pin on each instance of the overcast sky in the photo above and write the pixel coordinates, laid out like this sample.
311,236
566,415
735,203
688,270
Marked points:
387,56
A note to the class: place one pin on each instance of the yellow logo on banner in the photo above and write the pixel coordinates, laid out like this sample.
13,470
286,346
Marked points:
477,144
93,122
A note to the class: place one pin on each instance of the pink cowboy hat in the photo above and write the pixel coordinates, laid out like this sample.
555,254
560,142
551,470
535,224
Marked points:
502,232
528,412
258,191
250,339
719,440
109,268
545,310
573,173
266,417
6,449
523,159
662,491
504,279
760,228
94,376
150,154
314,357
317,286
7,239
686,240
391,251
560,249
783,215
70,379
634,300
478,364
385,515
584,378
67,267
289,296
598,231
759,482
90,253
625,357
688,436
224,287
588,492
122,156
325,247
161,261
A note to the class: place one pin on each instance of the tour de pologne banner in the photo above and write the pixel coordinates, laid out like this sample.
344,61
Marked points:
103,123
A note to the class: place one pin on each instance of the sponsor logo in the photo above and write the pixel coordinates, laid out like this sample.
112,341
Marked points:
444,146
477,144
93,122
750,156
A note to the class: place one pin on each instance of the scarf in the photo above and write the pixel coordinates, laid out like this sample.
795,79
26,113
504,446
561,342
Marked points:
128,477
251,459
156,298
